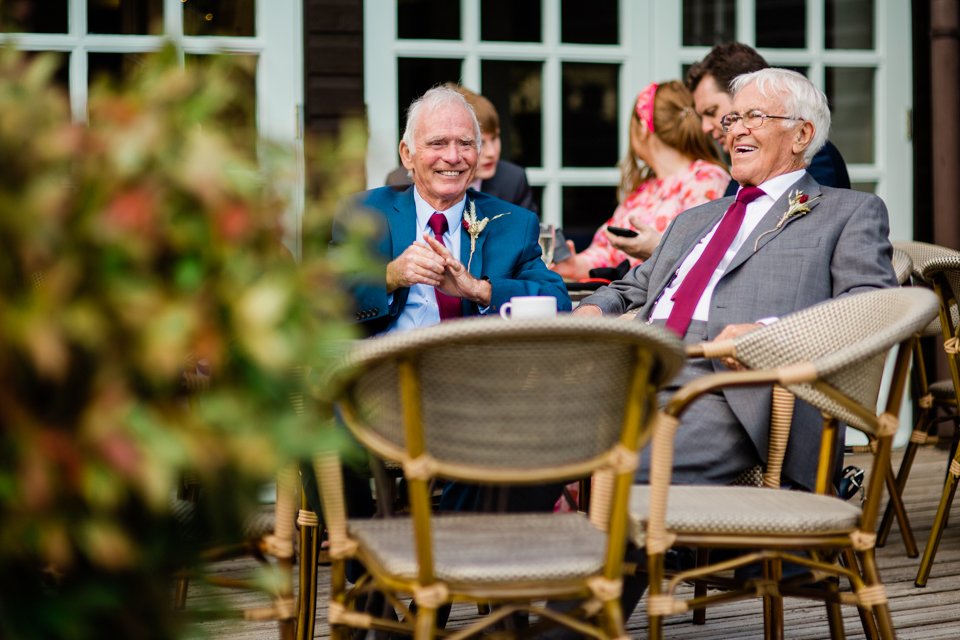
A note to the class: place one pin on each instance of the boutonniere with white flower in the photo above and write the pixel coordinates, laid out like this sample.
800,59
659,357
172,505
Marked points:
475,227
799,206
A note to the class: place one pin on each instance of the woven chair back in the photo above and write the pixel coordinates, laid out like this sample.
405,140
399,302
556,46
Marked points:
510,396
902,265
945,271
921,253
846,340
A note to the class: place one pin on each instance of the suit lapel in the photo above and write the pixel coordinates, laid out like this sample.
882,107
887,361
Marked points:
767,230
476,265
403,222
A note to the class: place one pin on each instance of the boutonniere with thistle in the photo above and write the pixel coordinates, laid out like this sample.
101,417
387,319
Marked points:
475,227
799,206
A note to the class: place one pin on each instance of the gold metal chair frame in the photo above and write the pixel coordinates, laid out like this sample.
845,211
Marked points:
944,274
937,402
827,380
400,375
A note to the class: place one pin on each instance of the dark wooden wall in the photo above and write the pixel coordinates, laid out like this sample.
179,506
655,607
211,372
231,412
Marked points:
333,63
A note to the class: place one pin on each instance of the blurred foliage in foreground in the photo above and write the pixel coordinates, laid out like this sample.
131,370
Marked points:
134,249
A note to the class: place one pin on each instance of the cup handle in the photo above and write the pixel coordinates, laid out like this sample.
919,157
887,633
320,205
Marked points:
505,309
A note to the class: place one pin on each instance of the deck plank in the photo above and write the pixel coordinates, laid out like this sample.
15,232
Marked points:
929,613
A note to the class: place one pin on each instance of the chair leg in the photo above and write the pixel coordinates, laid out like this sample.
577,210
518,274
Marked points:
881,612
834,614
909,454
307,595
426,623
772,603
939,522
866,617
180,597
700,587
654,587
613,619
896,502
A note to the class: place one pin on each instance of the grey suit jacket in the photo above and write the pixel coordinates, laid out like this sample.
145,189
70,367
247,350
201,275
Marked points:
841,246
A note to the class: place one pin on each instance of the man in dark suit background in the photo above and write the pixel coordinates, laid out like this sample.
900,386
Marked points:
496,177
709,82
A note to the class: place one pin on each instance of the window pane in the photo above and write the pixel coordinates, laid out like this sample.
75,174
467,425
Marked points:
782,24
242,114
218,17
125,16
33,16
584,210
416,75
592,22
112,67
589,134
869,187
849,24
428,19
850,91
510,20
514,88
708,22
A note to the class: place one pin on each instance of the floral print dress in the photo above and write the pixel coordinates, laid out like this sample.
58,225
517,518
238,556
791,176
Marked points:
656,202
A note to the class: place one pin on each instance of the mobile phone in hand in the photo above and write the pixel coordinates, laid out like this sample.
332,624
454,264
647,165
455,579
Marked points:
620,231
560,249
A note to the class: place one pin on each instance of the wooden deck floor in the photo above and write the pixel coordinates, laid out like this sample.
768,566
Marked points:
929,613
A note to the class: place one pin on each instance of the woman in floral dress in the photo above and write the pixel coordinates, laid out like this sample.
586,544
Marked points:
671,166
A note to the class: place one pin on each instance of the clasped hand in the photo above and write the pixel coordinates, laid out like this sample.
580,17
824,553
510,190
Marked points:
431,263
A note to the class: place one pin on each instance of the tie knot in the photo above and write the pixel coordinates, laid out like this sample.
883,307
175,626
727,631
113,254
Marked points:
438,224
749,194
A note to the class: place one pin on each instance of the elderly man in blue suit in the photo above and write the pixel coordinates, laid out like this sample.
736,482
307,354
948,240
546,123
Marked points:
449,251
484,251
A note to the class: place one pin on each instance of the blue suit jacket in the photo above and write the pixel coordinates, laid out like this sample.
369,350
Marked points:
507,254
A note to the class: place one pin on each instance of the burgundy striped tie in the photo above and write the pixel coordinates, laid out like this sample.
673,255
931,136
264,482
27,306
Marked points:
449,306
687,295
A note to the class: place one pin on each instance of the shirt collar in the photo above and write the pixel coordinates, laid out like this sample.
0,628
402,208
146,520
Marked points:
454,214
777,185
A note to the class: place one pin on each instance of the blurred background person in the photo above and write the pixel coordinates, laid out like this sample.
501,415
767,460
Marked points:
709,82
671,165
496,177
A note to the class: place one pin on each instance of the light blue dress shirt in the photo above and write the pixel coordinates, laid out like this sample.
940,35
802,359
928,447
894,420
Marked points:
421,309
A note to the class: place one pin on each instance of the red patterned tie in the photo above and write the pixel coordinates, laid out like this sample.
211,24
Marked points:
687,295
449,306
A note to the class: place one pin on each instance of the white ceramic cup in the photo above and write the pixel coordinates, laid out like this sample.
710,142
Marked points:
529,307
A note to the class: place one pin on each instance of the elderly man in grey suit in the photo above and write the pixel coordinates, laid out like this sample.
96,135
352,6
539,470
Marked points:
725,267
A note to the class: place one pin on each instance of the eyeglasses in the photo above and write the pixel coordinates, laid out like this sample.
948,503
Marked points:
751,120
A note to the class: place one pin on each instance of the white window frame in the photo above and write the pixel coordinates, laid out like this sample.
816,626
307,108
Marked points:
278,45
650,49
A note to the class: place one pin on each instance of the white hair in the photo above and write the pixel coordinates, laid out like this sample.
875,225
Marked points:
434,98
800,98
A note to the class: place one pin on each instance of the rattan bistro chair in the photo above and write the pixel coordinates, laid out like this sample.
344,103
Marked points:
493,401
944,274
832,356
937,402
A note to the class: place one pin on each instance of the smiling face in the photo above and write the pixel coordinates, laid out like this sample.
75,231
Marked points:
489,156
444,160
712,103
770,150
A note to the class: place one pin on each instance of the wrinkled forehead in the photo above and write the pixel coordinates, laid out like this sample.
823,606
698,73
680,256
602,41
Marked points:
448,120
751,98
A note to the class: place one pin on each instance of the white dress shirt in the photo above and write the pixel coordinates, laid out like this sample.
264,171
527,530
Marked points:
421,309
773,189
